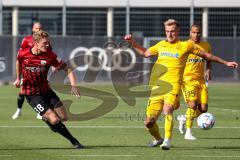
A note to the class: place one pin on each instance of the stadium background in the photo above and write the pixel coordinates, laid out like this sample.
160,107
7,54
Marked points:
120,133
77,23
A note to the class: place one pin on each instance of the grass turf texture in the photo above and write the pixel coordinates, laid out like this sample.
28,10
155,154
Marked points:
119,134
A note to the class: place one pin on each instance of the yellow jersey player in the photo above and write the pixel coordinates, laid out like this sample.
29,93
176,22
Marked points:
172,53
194,88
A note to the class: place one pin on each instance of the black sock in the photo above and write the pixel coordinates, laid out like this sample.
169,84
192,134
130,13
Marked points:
20,101
61,129
49,124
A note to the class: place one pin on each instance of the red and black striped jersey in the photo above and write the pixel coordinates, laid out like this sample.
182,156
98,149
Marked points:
35,69
27,42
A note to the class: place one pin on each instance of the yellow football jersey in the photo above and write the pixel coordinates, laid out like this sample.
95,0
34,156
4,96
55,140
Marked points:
194,69
173,56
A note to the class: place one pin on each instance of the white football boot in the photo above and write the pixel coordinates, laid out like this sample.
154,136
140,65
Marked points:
166,144
155,143
181,121
188,135
17,114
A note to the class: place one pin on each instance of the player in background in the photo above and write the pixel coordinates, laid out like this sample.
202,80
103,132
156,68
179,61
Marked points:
172,53
194,87
34,63
27,42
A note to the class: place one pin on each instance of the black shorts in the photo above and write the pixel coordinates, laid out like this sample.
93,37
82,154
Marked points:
42,102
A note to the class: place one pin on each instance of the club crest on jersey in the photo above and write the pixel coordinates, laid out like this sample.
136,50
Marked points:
43,62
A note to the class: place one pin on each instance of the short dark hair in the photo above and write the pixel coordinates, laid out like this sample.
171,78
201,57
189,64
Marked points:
196,26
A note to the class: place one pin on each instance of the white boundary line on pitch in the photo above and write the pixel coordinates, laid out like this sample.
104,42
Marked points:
121,127
213,156
6,155
225,109
98,155
113,155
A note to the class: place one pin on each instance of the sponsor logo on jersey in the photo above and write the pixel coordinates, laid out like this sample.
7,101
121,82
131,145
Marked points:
168,54
35,69
195,60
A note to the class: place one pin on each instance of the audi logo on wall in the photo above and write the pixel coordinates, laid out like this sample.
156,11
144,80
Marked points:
109,60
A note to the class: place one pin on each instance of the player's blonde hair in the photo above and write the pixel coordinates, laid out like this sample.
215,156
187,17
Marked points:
170,22
37,36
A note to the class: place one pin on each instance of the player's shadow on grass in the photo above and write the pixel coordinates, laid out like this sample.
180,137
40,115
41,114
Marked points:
40,148
117,146
233,148
69,148
219,138
236,148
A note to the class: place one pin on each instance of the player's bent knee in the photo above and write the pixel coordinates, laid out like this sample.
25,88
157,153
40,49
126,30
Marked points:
149,122
192,105
51,117
168,109
54,120
61,112
203,108
64,118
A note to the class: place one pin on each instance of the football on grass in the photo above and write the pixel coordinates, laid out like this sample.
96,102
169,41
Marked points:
206,121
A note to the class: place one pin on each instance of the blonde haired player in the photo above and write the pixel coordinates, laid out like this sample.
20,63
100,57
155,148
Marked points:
34,63
27,42
172,53
194,87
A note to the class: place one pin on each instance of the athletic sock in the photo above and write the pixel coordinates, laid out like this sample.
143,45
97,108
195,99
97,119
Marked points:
20,101
61,129
154,131
168,126
190,115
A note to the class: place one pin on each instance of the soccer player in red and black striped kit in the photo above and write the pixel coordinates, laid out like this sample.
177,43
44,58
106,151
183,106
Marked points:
27,42
35,63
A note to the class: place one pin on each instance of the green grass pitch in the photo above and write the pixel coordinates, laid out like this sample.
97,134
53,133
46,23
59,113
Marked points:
119,134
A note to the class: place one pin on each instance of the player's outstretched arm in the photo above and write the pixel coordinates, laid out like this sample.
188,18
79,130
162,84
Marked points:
208,72
17,82
73,80
140,50
217,59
